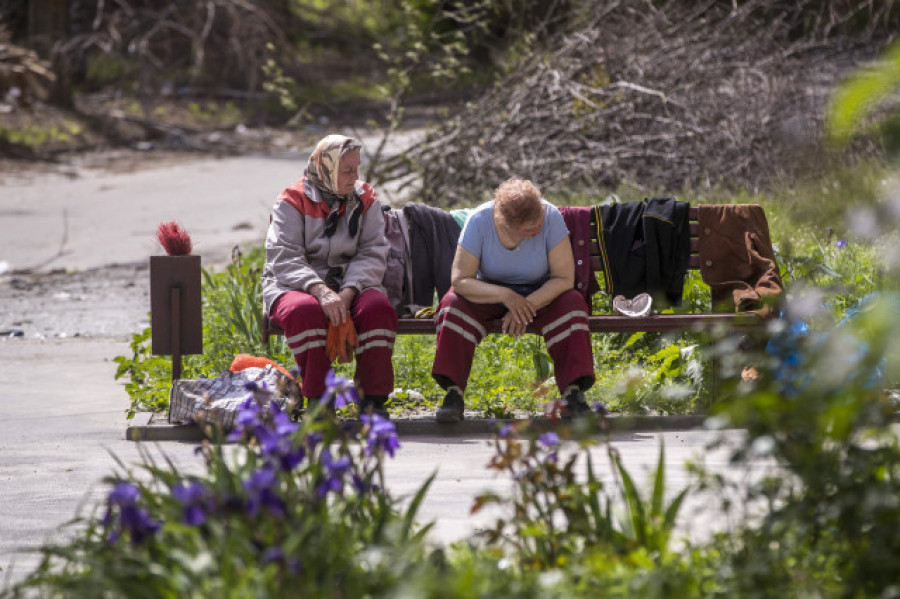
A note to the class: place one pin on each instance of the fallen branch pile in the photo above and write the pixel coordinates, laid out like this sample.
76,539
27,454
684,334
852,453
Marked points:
209,43
658,95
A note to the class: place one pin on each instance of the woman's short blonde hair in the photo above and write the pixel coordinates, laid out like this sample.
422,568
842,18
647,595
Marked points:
518,202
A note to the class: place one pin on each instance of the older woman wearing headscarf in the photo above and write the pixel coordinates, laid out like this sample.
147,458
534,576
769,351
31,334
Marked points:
325,260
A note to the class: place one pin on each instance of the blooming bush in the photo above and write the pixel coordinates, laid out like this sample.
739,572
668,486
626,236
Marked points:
287,509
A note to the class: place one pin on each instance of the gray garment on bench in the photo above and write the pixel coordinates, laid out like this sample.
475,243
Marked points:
433,236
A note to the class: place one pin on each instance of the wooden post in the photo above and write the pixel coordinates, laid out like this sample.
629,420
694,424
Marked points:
175,308
176,333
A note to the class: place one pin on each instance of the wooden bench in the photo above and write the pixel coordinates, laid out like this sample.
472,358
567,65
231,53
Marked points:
602,323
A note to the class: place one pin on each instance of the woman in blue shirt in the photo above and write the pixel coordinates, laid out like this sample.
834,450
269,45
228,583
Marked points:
514,263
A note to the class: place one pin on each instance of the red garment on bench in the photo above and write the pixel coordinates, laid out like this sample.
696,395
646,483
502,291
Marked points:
306,330
563,324
578,222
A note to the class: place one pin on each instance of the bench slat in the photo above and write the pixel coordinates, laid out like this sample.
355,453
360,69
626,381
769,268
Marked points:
603,323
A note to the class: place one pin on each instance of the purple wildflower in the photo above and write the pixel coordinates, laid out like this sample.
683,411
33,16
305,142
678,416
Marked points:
261,493
600,408
281,421
505,431
840,243
549,440
131,518
382,435
273,554
335,470
247,419
339,390
276,555
193,497
313,439
361,485
124,493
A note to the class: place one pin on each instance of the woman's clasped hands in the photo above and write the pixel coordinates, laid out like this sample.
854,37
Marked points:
521,312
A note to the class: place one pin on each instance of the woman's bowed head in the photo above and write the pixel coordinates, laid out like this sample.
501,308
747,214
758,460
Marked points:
518,215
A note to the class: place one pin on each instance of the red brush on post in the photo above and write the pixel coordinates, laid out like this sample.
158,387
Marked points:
174,239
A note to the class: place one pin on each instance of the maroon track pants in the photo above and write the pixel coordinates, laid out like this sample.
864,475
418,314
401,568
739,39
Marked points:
306,328
563,323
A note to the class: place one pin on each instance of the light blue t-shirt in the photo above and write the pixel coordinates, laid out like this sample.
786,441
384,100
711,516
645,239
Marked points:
527,264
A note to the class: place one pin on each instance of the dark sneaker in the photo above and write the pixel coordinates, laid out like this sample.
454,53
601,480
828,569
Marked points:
374,404
451,410
575,405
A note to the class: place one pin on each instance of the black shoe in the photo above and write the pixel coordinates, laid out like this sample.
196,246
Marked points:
451,410
575,405
374,404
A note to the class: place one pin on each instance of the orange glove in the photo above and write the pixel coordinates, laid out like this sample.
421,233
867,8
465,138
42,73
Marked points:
341,342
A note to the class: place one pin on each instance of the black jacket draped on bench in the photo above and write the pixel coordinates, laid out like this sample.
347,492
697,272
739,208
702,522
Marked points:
644,247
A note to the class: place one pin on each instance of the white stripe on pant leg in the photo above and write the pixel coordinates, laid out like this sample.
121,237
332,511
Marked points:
376,343
458,329
564,318
464,317
566,333
382,332
307,346
305,334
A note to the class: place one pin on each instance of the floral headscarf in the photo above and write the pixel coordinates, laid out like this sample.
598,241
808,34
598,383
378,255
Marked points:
323,162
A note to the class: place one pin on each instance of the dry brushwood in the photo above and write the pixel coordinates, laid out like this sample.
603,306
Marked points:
657,95
24,77
218,43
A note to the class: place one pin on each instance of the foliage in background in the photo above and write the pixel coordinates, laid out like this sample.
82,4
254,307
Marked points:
683,95
861,94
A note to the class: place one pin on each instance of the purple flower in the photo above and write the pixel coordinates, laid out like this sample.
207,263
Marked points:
840,243
260,488
281,421
275,555
193,497
382,435
549,440
335,470
272,554
313,439
122,500
123,494
247,419
505,431
339,390
600,408
276,441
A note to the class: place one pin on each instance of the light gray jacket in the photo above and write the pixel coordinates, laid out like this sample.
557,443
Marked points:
299,254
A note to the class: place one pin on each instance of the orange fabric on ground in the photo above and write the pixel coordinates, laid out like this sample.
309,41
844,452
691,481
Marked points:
243,361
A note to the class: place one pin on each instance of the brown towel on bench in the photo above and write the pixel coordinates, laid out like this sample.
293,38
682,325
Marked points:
736,257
